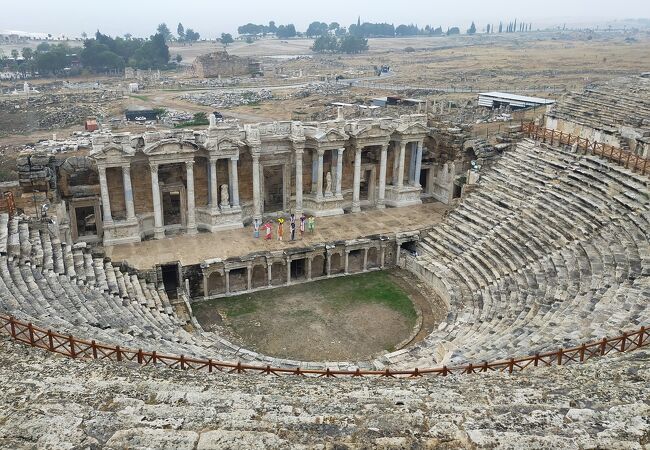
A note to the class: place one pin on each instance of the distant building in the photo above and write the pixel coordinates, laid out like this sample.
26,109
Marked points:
502,99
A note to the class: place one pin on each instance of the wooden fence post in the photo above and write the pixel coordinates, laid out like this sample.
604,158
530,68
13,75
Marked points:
30,328
73,352
118,353
641,334
559,356
603,346
93,346
50,340
623,339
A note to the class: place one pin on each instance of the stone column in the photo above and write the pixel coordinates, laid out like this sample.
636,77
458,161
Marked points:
106,201
269,272
319,175
205,285
128,192
395,164
400,169
299,182
365,259
234,181
328,264
413,154
382,177
159,231
249,275
257,191
382,257
339,171
347,261
214,185
227,274
288,271
356,202
191,212
308,270
397,253
418,164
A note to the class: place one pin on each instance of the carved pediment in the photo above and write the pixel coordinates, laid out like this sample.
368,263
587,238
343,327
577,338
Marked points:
370,132
170,147
112,151
324,136
412,128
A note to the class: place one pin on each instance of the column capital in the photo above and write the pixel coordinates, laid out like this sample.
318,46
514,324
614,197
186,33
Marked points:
189,164
256,157
213,159
321,151
403,144
234,158
340,150
153,167
384,147
126,168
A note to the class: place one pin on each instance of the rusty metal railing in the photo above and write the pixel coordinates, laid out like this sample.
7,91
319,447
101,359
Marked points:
625,158
79,348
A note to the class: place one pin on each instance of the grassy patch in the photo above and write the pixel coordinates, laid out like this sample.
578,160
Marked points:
339,294
144,98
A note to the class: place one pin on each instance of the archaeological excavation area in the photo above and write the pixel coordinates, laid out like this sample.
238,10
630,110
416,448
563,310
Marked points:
142,305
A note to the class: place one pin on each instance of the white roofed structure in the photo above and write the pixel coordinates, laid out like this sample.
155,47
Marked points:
498,99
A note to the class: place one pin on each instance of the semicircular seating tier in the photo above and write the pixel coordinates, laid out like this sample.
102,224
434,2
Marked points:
551,250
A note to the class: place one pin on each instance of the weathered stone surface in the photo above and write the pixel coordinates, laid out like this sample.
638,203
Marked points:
49,401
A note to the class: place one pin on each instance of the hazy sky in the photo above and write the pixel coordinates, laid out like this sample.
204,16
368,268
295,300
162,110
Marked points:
212,17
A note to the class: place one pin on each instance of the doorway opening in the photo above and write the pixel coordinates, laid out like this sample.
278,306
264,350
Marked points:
298,269
172,211
171,279
273,188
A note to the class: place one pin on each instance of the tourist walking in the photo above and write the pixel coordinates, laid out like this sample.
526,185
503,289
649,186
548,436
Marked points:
311,224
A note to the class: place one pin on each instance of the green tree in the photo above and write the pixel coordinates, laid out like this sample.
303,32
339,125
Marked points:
452,31
317,29
272,28
180,30
226,38
179,58
472,29
191,35
286,31
325,44
163,29
14,54
27,53
334,26
353,44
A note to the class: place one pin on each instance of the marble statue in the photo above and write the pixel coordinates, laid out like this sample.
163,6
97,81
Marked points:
328,183
213,120
225,198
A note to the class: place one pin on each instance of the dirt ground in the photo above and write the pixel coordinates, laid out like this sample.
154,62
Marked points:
330,320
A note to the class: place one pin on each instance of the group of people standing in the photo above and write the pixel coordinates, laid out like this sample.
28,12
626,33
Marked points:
303,222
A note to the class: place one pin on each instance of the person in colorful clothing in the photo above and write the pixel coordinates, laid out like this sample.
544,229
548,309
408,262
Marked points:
268,228
256,228
280,228
303,219
311,224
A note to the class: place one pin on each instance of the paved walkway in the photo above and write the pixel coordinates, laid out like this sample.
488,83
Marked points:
224,244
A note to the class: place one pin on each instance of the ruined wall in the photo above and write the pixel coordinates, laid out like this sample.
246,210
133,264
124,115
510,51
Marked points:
221,64
141,182
116,192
